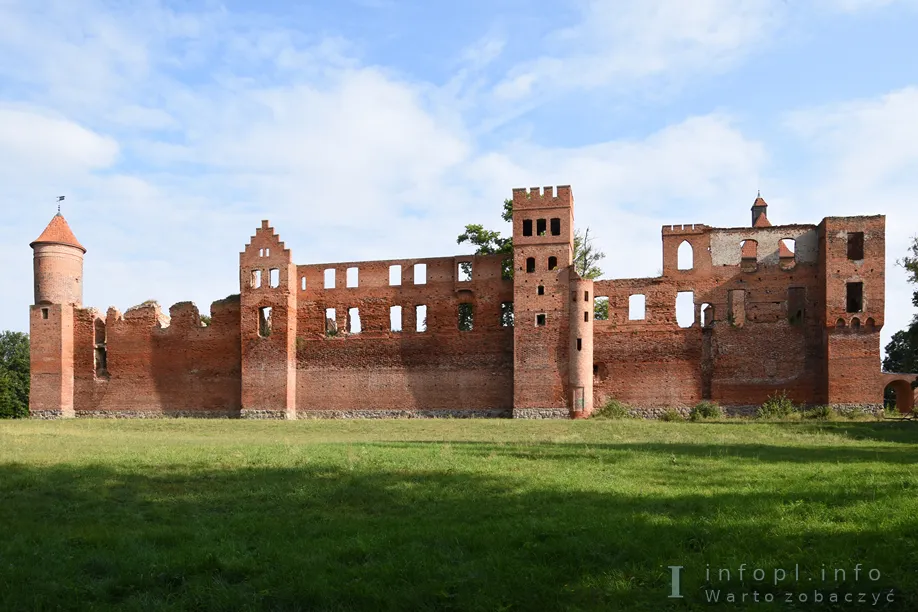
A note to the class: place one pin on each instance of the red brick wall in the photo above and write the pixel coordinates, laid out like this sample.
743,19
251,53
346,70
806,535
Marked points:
51,360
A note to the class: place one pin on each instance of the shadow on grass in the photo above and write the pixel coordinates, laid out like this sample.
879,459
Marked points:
360,537
890,430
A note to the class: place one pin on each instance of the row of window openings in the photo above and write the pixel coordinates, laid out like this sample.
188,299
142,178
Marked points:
531,264
540,227
465,319
749,250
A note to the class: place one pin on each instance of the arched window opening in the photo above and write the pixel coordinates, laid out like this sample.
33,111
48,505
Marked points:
686,256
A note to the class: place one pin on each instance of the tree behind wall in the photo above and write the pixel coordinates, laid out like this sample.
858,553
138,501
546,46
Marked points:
14,375
902,350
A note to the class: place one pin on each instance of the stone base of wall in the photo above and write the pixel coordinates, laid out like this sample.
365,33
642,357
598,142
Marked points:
150,414
47,415
251,413
496,413
849,409
541,413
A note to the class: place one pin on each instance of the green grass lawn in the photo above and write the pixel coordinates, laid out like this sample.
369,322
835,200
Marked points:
452,514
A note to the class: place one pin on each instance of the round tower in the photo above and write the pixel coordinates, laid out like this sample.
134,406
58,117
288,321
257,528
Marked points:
580,372
58,265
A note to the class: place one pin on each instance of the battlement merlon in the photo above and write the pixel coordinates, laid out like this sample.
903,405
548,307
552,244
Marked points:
538,197
685,229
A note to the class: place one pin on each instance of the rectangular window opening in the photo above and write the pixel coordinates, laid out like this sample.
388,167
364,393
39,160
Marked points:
395,318
273,277
637,307
540,227
527,227
540,290
353,321
601,308
530,264
255,281
506,314
506,269
855,245
586,296
586,316
303,284
579,344
855,297
101,360
556,227
331,322
420,274
466,317
420,314
351,277
330,278
540,319
685,308
552,263
464,272
44,313
395,275
264,321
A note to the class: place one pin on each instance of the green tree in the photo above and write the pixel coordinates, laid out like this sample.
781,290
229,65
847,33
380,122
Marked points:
902,350
14,375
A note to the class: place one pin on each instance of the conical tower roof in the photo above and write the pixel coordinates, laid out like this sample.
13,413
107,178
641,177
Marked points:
58,232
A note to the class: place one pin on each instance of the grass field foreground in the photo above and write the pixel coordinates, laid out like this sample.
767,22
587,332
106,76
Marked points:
451,514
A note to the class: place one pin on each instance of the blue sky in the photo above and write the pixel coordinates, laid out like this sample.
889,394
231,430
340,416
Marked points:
373,129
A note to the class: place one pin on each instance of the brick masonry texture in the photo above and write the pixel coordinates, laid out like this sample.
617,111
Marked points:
385,339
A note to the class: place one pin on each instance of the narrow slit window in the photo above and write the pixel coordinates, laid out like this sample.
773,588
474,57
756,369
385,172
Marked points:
506,314
395,275
303,284
527,227
464,272
101,360
264,321
855,245
506,269
579,344
552,263
530,264
540,227
420,274
466,317
601,308
586,316
637,307
273,277
395,318
556,226
540,319
420,313
261,252
352,277
586,296
330,278
855,297
267,252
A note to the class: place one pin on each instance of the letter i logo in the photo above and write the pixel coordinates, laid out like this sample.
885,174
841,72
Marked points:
676,571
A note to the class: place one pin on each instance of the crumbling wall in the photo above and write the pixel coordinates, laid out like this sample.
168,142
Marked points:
156,365
377,371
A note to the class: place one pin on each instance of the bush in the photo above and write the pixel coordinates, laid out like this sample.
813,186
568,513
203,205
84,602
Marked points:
671,415
821,413
777,406
706,410
612,409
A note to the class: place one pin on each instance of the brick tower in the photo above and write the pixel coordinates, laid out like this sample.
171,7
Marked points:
268,301
58,269
543,243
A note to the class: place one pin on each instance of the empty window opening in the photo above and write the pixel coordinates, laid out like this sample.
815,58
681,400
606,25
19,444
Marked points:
685,256
264,321
586,296
530,264
796,304
353,321
556,227
870,324
855,323
420,314
541,290
395,318
303,284
579,344
420,274
352,277
464,272
330,278
466,317
540,320
261,252
506,314
586,316
601,308
527,227
788,247
44,313
685,308
273,277
856,245
540,227
255,281
749,249
506,269
101,360
840,324
99,332
552,263
267,252
331,322
707,315
637,307
855,297
395,275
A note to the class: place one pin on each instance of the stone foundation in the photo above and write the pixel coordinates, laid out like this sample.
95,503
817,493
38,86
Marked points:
496,413
264,414
541,413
